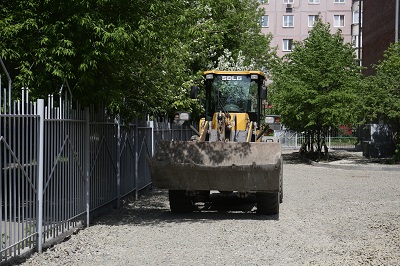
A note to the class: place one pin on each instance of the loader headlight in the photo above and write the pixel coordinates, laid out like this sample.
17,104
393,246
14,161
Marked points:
181,117
269,120
184,116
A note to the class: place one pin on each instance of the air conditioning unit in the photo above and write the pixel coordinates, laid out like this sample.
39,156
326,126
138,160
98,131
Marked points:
289,8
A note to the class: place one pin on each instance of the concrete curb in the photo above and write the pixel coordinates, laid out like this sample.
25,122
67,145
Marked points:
349,166
356,166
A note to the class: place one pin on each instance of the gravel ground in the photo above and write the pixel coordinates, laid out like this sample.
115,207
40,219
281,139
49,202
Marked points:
329,217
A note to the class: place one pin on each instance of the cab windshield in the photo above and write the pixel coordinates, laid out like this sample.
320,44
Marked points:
234,93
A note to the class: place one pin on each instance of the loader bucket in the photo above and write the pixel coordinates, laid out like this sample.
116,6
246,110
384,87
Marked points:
224,166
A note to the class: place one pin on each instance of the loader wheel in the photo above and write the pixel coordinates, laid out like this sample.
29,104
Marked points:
224,192
267,203
179,202
202,196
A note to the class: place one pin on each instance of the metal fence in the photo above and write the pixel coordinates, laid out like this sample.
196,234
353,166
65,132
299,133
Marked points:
294,140
58,165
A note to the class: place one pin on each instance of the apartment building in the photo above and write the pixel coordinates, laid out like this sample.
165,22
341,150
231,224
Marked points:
379,30
291,20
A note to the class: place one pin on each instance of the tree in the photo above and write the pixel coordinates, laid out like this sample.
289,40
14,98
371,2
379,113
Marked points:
231,25
128,54
85,42
228,26
381,95
314,87
137,56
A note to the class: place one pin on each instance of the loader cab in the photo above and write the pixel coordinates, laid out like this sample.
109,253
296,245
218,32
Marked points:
235,92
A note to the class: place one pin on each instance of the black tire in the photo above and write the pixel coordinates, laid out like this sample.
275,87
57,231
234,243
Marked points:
268,203
202,196
179,202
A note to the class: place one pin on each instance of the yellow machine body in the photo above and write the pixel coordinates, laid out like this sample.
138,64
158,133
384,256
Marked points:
229,153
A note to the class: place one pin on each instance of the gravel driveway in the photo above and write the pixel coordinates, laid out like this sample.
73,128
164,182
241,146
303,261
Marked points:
329,217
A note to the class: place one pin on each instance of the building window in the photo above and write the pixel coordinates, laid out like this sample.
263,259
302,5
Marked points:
338,21
356,17
313,2
340,1
264,21
288,21
288,1
287,45
263,2
311,20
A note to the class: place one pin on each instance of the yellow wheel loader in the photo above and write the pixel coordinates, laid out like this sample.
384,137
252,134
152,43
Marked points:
230,153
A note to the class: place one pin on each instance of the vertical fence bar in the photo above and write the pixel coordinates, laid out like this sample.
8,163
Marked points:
118,158
13,185
329,141
87,163
18,181
0,96
1,180
39,218
136,144
25,160
172,132
34,170
152,137
7,175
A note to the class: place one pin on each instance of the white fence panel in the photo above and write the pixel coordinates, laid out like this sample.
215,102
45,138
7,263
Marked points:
59,165
294,140
18,175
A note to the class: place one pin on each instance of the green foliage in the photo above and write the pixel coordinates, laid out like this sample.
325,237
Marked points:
386,97
316,85
138,56
381,94
397,149
44,42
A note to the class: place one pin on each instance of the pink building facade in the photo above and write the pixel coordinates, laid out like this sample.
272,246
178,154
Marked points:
291,20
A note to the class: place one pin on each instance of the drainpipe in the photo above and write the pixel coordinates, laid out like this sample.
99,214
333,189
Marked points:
359,31
396,37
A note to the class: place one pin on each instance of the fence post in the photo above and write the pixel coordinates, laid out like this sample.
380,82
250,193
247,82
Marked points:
118,120
172,130
136,144
87,164
329,141
39,218
151,125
